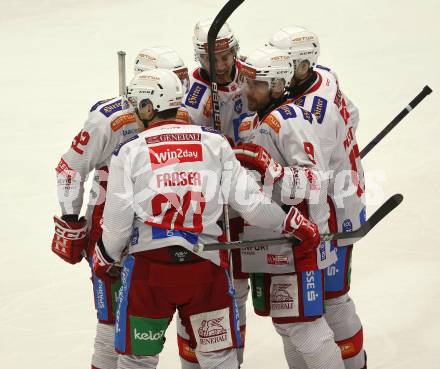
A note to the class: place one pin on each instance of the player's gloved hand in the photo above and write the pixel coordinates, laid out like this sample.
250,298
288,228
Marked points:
255,157
305,254
70,238
103,265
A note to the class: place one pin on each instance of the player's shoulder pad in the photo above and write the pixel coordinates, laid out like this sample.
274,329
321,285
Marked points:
118,149
195,94
100,102
113,106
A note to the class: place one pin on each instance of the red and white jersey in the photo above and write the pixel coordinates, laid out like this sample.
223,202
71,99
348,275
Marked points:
287,133
340,150
167,187
107,126
197,106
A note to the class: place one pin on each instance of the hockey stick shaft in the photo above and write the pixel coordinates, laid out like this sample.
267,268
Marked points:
354,236
121,70
215,28
414,102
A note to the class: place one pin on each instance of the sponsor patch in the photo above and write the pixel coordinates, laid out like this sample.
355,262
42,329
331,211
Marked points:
212,330
147,335
286,111
64,169
210,130
284,296
347,225
207,109
93,108
322,251
244,126
312,293
121,313
164,155
112,108
319,107
160,233
121,121
300,101
116,152
100,293
134,236
277,259
273,123
167,137
195,95
307,116
182,115
363,216
322,67
334,274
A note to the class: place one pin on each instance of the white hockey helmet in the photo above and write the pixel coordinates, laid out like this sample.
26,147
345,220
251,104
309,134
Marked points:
268,64
161,57
225,39
161,87
299,42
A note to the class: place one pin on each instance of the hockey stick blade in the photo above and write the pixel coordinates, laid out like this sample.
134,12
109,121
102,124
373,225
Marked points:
397,119
354,236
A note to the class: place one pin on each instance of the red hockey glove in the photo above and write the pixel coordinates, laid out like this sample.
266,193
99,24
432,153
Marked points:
305,254
70,239
256,157
103,265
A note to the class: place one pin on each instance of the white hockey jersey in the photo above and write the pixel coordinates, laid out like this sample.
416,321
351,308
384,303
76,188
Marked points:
339,147
287,133
107,126
197,106
167,187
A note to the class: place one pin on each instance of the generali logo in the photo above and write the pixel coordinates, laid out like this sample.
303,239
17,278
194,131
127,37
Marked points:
211,331
172,154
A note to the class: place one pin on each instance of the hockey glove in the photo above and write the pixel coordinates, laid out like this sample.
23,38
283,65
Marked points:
70,239
256,157
103,265
305,254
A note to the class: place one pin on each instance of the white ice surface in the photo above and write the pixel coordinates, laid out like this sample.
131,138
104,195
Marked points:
59,57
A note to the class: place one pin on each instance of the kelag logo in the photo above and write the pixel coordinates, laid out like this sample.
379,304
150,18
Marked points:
171,154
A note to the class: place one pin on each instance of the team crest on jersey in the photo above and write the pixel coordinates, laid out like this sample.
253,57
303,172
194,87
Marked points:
319,107
195,95
164,155
121,121
273,123
93,108
238,106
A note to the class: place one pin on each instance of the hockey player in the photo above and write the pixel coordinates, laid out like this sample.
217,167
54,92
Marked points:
109,124
197,109
281,145
164,191
316,88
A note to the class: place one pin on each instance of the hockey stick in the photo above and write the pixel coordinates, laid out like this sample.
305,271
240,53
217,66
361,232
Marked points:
215,28
414,102
121,69
354,236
